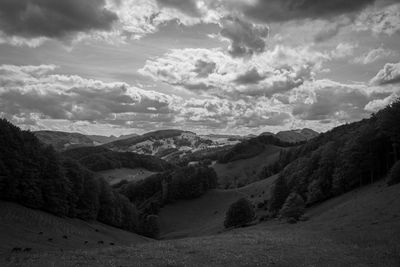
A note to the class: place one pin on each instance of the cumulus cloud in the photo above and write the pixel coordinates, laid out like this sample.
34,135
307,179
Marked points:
53,19
189,7
27,90
374,55
249,77
245,38
278,70
390,74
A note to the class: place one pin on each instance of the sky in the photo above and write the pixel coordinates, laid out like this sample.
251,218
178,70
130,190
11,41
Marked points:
208,66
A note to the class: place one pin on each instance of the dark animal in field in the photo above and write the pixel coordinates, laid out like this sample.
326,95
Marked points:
86,242
100,242
27,249
96,230
40,233
16,250
50,239
112,244
65,237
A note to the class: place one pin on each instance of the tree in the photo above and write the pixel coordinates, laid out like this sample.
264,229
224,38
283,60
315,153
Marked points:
294,207
239,213
151,226
394,174
279,193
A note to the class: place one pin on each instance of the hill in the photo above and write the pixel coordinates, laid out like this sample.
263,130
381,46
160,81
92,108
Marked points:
205,215
248,170
162,143
360,228
65,140
101,159
21,227
294,136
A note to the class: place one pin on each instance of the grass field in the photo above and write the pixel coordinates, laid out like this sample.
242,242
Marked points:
116,175
360,228
23,228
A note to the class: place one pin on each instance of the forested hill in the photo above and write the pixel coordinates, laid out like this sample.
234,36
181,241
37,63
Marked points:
36,176
340,160
100,158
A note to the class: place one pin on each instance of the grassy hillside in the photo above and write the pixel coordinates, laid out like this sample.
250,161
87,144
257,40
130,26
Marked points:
360,228
63,140
27,228
245,171
205,215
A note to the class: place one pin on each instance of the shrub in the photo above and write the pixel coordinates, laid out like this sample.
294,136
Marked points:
239,213
279,193
394,174
293,207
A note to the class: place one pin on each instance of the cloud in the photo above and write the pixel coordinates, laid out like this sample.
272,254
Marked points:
204,68
374,55
27,90
47,18
249,77
274,71
189,6
390,74
324,100
286,10
245,38
379,20
343,50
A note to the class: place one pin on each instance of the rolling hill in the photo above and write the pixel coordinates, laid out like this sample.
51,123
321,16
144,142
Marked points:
21,227
163,142
294,136
65,140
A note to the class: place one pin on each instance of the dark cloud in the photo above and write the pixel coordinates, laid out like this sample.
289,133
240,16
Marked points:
204,68
54,19
245,38
188,7
285,10
250,77
390,74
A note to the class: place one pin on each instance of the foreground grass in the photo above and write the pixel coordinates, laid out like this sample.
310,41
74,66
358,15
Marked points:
270,244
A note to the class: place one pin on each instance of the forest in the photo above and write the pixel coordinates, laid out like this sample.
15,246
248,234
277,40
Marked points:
340,160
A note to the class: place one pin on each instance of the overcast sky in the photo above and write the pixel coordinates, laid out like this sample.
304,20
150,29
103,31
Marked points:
209,66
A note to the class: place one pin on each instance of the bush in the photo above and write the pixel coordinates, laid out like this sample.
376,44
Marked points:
240,213
293,207
394,174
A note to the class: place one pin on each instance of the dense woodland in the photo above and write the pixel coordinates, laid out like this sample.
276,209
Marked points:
36,176
100,159
159,189
252,147
340,160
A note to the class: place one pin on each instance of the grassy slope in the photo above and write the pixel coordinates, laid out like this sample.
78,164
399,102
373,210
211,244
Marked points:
361,228
205,215
116,175
20,227
246,170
